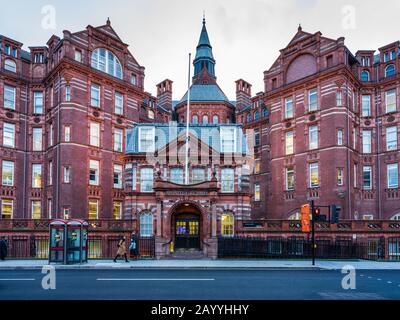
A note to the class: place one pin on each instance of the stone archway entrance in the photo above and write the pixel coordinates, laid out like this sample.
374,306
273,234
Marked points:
186,227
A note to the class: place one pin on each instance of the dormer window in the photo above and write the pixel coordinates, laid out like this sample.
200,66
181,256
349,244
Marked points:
365,61
105,61
10,65
14,52
38,58
134,79
390,70
7,50
78,55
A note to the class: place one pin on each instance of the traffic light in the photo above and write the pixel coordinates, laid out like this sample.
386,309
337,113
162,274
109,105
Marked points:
335,213
317,211
305,218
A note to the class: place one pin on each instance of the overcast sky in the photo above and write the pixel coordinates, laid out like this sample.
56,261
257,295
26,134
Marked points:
246,35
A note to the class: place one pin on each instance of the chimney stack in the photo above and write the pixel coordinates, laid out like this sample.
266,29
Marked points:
164,94
243,94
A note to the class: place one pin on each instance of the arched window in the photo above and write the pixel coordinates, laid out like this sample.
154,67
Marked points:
106,61
146,224
257,115
364,75
265,112
227,224
215,119
195,119
390,70
10,65
205,119
395,217
249,117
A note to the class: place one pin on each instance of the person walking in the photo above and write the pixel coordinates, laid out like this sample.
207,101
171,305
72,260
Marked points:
133,247
121,249
3,248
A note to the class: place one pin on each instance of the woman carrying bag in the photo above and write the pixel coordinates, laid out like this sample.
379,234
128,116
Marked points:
121,249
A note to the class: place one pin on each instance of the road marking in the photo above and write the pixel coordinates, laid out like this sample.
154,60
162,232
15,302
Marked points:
151,279
379,279
389,282
17,279
369,277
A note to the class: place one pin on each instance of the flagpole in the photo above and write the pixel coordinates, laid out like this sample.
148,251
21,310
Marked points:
187,127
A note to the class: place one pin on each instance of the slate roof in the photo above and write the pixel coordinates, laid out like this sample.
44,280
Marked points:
206,93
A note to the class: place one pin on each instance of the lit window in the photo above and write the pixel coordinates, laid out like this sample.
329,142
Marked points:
289,179
9,135
366,139
366,105
117,176
118,103
365,76
391,138
198,175
36,176
146,180
7,173
67,174
313,100
93,209
227,225
314,175
146,224
288,108
9,97
95,95
106,61
227,180
146,139
10,65
38,102
257,166
228,138
257,192
177,175
289,142
339,176
36,209
393,175
118,139
340,137
313,137
390,97
390,70
7,209
367,177
117,210
94,172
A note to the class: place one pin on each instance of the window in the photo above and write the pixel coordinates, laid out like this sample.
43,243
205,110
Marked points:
7,173
313,137
146,224
50,173
367,177
146,180
195,119
289,142
67,174
257,166
118,103
386,57
364,76
51,135
118,136
366,139
50,209
249,117
227,224
106,61
228,138
7,49
95,134
390,70
391,138
390,101
93,209
256,115
198,175
265,112
339,101
67,93
393,175
365,61
37,139
314,176
134,79
9,97
95,95
205,119
38,102
146,139
67,213
117,210
215,119
10,65
366,105
78,55
256,137
94,172
288,108
117,176
329,61
67,133
9,135
177,175
36,176
340,137
392,55
339,176
151,114
257,192
36,209
227,180
289,179
14,52
355,175
354,138
313,99
7,209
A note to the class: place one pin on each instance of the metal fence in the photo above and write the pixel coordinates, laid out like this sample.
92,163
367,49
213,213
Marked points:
292,248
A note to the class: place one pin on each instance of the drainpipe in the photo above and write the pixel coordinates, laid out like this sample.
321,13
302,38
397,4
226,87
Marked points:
348,152
58,143
378,146
24,201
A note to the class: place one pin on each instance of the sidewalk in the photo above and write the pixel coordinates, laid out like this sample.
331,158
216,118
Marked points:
208,264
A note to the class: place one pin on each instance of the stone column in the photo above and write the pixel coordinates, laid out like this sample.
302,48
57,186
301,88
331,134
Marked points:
213,220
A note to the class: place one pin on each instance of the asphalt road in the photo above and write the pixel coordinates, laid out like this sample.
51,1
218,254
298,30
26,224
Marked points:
199,285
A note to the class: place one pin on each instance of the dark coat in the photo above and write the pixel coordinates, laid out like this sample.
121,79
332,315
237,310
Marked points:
3,249
133,246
